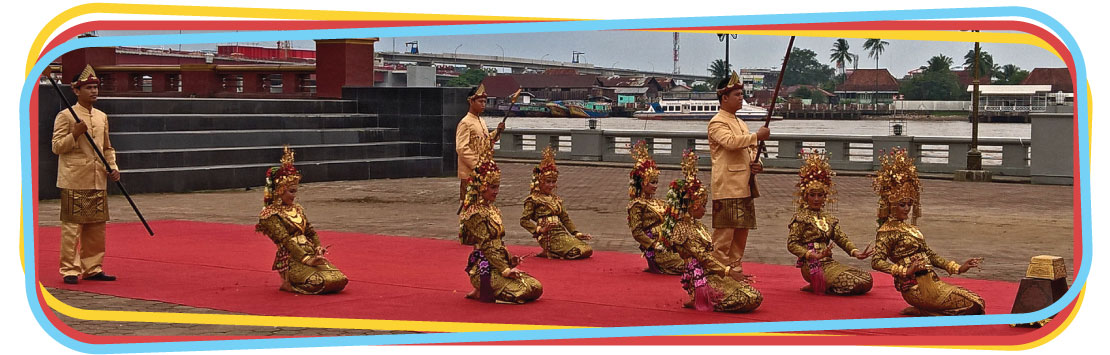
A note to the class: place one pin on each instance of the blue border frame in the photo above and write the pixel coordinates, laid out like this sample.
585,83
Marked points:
1083,180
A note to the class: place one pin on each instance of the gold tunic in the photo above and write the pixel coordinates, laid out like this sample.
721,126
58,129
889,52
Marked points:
726,294
897,244
297,242
559,242
481,226
816,231
645,219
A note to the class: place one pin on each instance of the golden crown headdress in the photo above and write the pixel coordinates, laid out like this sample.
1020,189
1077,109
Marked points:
684,192
486,172
279,178
733,84
897,181
479,93
816,175
88,76
643,171
545,169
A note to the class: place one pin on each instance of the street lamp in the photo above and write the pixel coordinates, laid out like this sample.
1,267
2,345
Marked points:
974,156
723,37
502,50
545,56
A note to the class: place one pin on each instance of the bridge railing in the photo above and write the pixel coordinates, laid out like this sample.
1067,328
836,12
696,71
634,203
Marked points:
1003,156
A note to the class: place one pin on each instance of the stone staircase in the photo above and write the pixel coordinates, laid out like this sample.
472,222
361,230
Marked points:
189,144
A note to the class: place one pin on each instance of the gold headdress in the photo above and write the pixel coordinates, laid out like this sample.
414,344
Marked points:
545,169
816,175
88,76
480,92
485,174
684,193
644,170
896,181
733,84
279,178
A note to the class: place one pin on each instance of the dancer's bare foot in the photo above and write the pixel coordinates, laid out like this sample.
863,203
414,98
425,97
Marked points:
807,288
472,295
689,303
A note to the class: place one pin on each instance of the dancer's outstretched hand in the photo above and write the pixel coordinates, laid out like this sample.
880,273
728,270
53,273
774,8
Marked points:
970,263
866,253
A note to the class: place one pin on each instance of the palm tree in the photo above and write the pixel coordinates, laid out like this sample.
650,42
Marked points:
718,70
840,55
1010,74
875,48
987,67
938,63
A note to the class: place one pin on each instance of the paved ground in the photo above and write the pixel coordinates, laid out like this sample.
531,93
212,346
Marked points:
1007,224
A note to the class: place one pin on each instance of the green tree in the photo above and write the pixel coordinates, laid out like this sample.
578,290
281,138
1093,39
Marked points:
1010,74
938,63
840,55
718,71
701,87
471,77
804,68
937,82
987,67
875,48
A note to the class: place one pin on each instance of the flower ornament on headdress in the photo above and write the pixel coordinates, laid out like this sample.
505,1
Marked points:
643,172
733,84
684,193
485,174
816,175
279,178
546,169
480,93
88,76
897,181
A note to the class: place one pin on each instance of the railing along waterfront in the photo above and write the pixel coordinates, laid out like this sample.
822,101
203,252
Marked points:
1003,156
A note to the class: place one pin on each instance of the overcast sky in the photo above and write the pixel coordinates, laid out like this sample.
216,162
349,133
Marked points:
652,50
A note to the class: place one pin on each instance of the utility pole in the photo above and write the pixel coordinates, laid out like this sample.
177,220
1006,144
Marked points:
676,71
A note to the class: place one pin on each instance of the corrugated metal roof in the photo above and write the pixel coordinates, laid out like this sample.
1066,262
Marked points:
632,90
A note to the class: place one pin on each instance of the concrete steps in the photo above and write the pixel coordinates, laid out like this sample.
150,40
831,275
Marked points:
147,122
270,154
174,105
124,141
215,177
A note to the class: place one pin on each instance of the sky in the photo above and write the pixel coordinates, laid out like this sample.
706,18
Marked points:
651,51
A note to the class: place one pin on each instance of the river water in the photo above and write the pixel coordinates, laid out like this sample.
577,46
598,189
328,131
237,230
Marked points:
923,128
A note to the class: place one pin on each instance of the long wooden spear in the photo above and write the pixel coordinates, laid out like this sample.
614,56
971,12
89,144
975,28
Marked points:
774,97
101,155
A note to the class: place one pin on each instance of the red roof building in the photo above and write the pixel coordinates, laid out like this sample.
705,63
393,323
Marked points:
1059,78
867,86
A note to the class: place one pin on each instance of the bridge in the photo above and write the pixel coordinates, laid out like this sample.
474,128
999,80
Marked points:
522,65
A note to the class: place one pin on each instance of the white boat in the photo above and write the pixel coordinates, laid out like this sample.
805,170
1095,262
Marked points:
695,106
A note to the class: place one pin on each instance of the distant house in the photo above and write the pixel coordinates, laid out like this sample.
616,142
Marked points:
829,97
652,84
545,86
1011,99
1059,79
867,86
631,96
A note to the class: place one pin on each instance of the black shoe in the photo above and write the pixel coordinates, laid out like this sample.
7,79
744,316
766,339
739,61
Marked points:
101,276
71,279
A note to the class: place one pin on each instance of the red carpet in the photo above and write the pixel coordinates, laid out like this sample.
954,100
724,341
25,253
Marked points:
227,267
